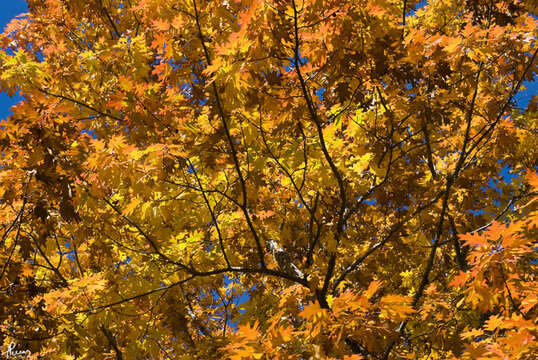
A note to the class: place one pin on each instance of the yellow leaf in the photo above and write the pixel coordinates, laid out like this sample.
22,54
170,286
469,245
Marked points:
330,300
128,210
452,45
27,270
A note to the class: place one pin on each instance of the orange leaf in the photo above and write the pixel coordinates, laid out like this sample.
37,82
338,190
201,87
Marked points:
161,25
372,288
532,178
460,279
248,332
312,310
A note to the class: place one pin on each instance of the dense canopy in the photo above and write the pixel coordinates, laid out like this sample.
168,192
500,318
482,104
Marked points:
270,179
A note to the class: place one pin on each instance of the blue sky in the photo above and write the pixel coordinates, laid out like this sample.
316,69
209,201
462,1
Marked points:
8,10
11,8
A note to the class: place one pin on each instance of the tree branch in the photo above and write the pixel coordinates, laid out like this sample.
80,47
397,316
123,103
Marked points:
231,144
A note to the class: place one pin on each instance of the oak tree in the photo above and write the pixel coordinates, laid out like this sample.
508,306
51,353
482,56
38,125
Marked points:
270,179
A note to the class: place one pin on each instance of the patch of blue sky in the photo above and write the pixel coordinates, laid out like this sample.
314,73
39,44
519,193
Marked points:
508,174
492,183
319,93
10,9
191,169
523,97
90,132
505,177
69,254
186,89
237,297
303,60
413,10
125,261
477,212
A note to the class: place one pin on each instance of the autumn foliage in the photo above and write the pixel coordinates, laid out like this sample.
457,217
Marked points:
277,179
